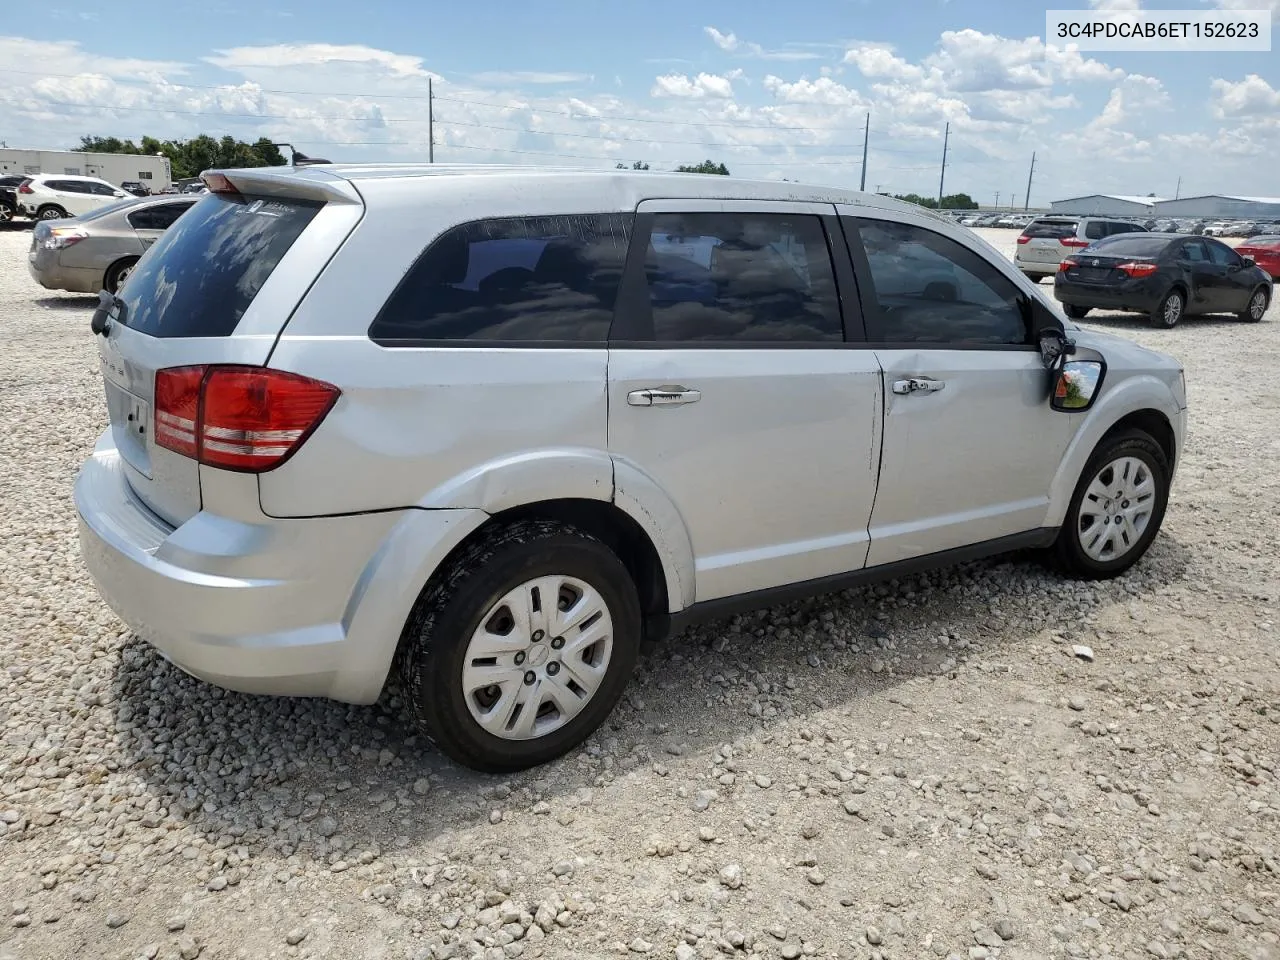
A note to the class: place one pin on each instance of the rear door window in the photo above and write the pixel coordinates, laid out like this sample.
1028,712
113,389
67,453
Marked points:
1095,230
1222,255
550,280
1051,229
200,277
158,217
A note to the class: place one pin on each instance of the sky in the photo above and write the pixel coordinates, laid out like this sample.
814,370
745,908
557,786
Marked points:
773,90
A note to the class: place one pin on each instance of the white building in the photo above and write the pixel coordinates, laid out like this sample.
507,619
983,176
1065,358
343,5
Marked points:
1220,206
1107,205
113,167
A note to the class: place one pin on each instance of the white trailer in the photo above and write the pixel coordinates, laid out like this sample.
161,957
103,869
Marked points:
115,168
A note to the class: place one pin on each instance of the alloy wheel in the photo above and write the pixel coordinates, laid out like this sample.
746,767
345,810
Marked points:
1172,310
1258,305
1116,509
538,657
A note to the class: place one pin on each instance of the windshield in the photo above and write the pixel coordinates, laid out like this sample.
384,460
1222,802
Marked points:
106,209
1131,245
201,276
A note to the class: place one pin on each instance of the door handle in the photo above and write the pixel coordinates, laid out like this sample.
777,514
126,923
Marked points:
918,385
664,396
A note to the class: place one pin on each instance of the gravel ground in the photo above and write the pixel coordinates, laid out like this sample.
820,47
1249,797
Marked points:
914,770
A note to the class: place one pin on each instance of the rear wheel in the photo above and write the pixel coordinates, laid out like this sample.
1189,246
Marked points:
1169,311
51,212
518,651
118,273
1257,306
1074,312
1117,508
6,214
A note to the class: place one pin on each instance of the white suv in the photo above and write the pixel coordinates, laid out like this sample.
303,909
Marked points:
1047,240
47,196
490,427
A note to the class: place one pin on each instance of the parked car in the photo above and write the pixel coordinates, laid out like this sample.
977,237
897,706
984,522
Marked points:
1163,275
47,196
99,250
474,427
136,187
1046,240
8,196
1264,250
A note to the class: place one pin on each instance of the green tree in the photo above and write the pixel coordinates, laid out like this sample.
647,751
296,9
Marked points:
959,201
706,166
635,166
189,158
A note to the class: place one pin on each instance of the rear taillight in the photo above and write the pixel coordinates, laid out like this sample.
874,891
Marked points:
60,238
1024,238
248,419
25,188
1066,264
218,183
1073,242
1137,269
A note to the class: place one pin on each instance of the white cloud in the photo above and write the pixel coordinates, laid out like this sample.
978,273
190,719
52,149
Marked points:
703,85
248,59
730,43
875,60
1131,101
824,90
725,41
1250,97
1108,5
1272,5
530,76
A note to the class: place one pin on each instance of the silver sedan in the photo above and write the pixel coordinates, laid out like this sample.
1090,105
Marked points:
97,251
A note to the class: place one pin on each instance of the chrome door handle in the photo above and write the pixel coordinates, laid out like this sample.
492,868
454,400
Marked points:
664,396
918,385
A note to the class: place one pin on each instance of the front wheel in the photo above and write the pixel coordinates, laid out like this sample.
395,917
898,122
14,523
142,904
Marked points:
1117,508
51,212
1074,312
522,647
1257,307
1169,311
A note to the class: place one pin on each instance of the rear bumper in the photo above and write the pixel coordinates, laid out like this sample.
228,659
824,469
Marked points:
308,607
1139,295
1042,268
52,275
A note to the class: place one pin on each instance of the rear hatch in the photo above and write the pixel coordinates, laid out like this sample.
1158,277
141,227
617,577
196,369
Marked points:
1042,242
217,288
1116,259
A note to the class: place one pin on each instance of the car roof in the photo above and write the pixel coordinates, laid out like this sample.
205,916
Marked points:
616,189
66,176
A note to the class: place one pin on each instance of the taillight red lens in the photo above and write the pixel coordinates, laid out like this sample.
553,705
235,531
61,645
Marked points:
25,188
1024,238
177,408
1066,264
218,183
1073,242
1138,269
248,419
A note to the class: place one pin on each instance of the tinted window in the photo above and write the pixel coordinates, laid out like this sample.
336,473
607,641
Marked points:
1221,254
1051,229
1095,230
542,279
1137,244
97,213
201,276
933,290
65,186
1193,251
159,217
743,277
102,189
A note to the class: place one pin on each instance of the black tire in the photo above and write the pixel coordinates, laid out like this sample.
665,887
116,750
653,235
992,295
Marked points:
117,273
1248,314
1075,312
51,211
1070,552
1166,315
436,637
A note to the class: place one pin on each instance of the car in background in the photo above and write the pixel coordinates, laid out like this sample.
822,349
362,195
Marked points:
1165,276
9,184
48,196
99,250
1046,240
136,187
1264,250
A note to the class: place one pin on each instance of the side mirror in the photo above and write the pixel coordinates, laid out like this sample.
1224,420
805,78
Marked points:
1076,385
1248,260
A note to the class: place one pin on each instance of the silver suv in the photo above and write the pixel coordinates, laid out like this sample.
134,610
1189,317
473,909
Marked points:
486,429
1046,241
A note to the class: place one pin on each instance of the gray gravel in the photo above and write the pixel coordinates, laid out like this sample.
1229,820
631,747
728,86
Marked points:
921,769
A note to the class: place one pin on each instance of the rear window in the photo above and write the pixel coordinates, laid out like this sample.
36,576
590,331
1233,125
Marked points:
200,277
1131,245
1051,229
1264,241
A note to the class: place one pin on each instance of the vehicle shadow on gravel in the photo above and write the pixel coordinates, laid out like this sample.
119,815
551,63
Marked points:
328,780
1129,323
75,302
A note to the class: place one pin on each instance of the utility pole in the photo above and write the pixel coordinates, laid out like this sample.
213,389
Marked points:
866,135
878,186
1177,191
946,137
431,123
997,199
1026,204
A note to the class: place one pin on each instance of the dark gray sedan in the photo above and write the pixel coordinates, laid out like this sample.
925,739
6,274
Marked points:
98,250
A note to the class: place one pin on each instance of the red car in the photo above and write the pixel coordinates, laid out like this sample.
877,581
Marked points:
1265,252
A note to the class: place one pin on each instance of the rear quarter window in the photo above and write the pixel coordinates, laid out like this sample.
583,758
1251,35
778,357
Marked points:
202,275
1132,244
